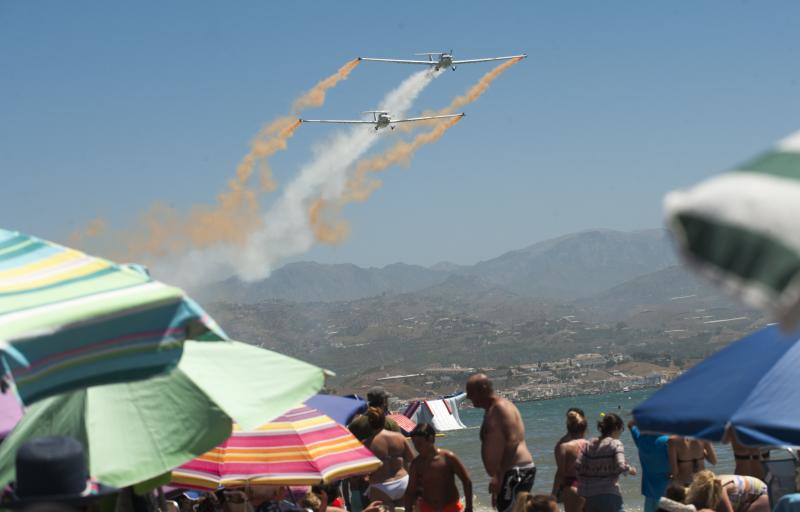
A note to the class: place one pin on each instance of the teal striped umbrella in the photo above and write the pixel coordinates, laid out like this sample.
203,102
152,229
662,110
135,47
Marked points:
69,320
741,229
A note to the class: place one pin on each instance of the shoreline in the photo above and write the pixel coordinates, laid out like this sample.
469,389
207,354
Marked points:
466,405
587,393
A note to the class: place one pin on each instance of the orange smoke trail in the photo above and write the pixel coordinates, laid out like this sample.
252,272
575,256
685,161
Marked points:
474,92
326,228
162,230
479,88
94,228
329,229
360,187
316,96
269,140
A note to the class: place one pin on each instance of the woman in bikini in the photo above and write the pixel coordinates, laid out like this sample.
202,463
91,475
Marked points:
387,484
728,493
567,451
748,459
688,456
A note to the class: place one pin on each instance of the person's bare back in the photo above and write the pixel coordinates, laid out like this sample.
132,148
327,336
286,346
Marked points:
566,456
388,483
391,448
688,456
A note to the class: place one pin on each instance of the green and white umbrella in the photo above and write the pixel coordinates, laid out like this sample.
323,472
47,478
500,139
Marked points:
741,229
136,431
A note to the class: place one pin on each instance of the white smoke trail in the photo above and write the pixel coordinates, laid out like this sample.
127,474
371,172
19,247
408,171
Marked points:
286,231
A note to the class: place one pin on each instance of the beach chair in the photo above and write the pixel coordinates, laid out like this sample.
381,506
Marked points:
781,476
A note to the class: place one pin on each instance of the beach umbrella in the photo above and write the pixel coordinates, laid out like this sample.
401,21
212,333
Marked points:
70,320
741,229
750,385
340,409
301,447
135,431
405,423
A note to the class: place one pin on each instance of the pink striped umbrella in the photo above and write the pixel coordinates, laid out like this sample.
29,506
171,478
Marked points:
406,424
302,447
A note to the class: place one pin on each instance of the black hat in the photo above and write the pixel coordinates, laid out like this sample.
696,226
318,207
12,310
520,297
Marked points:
53,470
377,396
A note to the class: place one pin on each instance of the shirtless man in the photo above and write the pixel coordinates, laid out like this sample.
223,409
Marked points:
388,483
505,455
432,475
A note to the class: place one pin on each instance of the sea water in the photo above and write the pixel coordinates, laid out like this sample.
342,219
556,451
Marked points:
544,425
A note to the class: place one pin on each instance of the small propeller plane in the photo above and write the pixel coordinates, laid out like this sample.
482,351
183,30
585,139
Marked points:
380,119
443,60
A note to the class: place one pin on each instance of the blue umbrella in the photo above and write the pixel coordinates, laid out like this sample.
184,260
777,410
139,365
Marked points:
341,409
751,386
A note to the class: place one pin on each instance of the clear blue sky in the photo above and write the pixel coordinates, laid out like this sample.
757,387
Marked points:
106,107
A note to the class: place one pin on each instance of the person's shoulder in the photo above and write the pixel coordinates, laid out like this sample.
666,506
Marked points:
505,408
359,420
392,425
394,436
447,454
577,443
359,427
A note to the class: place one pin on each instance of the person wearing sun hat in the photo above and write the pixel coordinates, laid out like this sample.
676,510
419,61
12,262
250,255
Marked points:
53,470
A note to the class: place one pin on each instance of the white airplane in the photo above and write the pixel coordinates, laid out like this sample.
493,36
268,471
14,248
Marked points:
444,60
380,119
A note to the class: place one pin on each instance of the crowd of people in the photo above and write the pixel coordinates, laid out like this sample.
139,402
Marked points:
673,469
417,474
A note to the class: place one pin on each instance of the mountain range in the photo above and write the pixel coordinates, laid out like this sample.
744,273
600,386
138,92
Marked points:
570,267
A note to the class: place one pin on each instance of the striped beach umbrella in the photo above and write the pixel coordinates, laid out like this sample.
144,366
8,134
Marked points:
741,229
135,431
405,423
302,447
70,320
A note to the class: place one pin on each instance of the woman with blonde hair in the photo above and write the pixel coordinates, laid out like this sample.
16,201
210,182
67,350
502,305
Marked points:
728,493
527,502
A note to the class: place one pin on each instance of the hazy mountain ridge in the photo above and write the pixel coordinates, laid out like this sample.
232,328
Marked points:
579,264
312,282
564,268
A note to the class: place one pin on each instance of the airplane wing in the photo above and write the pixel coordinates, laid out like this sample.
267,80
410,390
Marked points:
336,121
412,119
401,61
470,61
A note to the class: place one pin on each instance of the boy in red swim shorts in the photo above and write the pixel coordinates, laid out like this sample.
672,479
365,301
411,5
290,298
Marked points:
432,476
